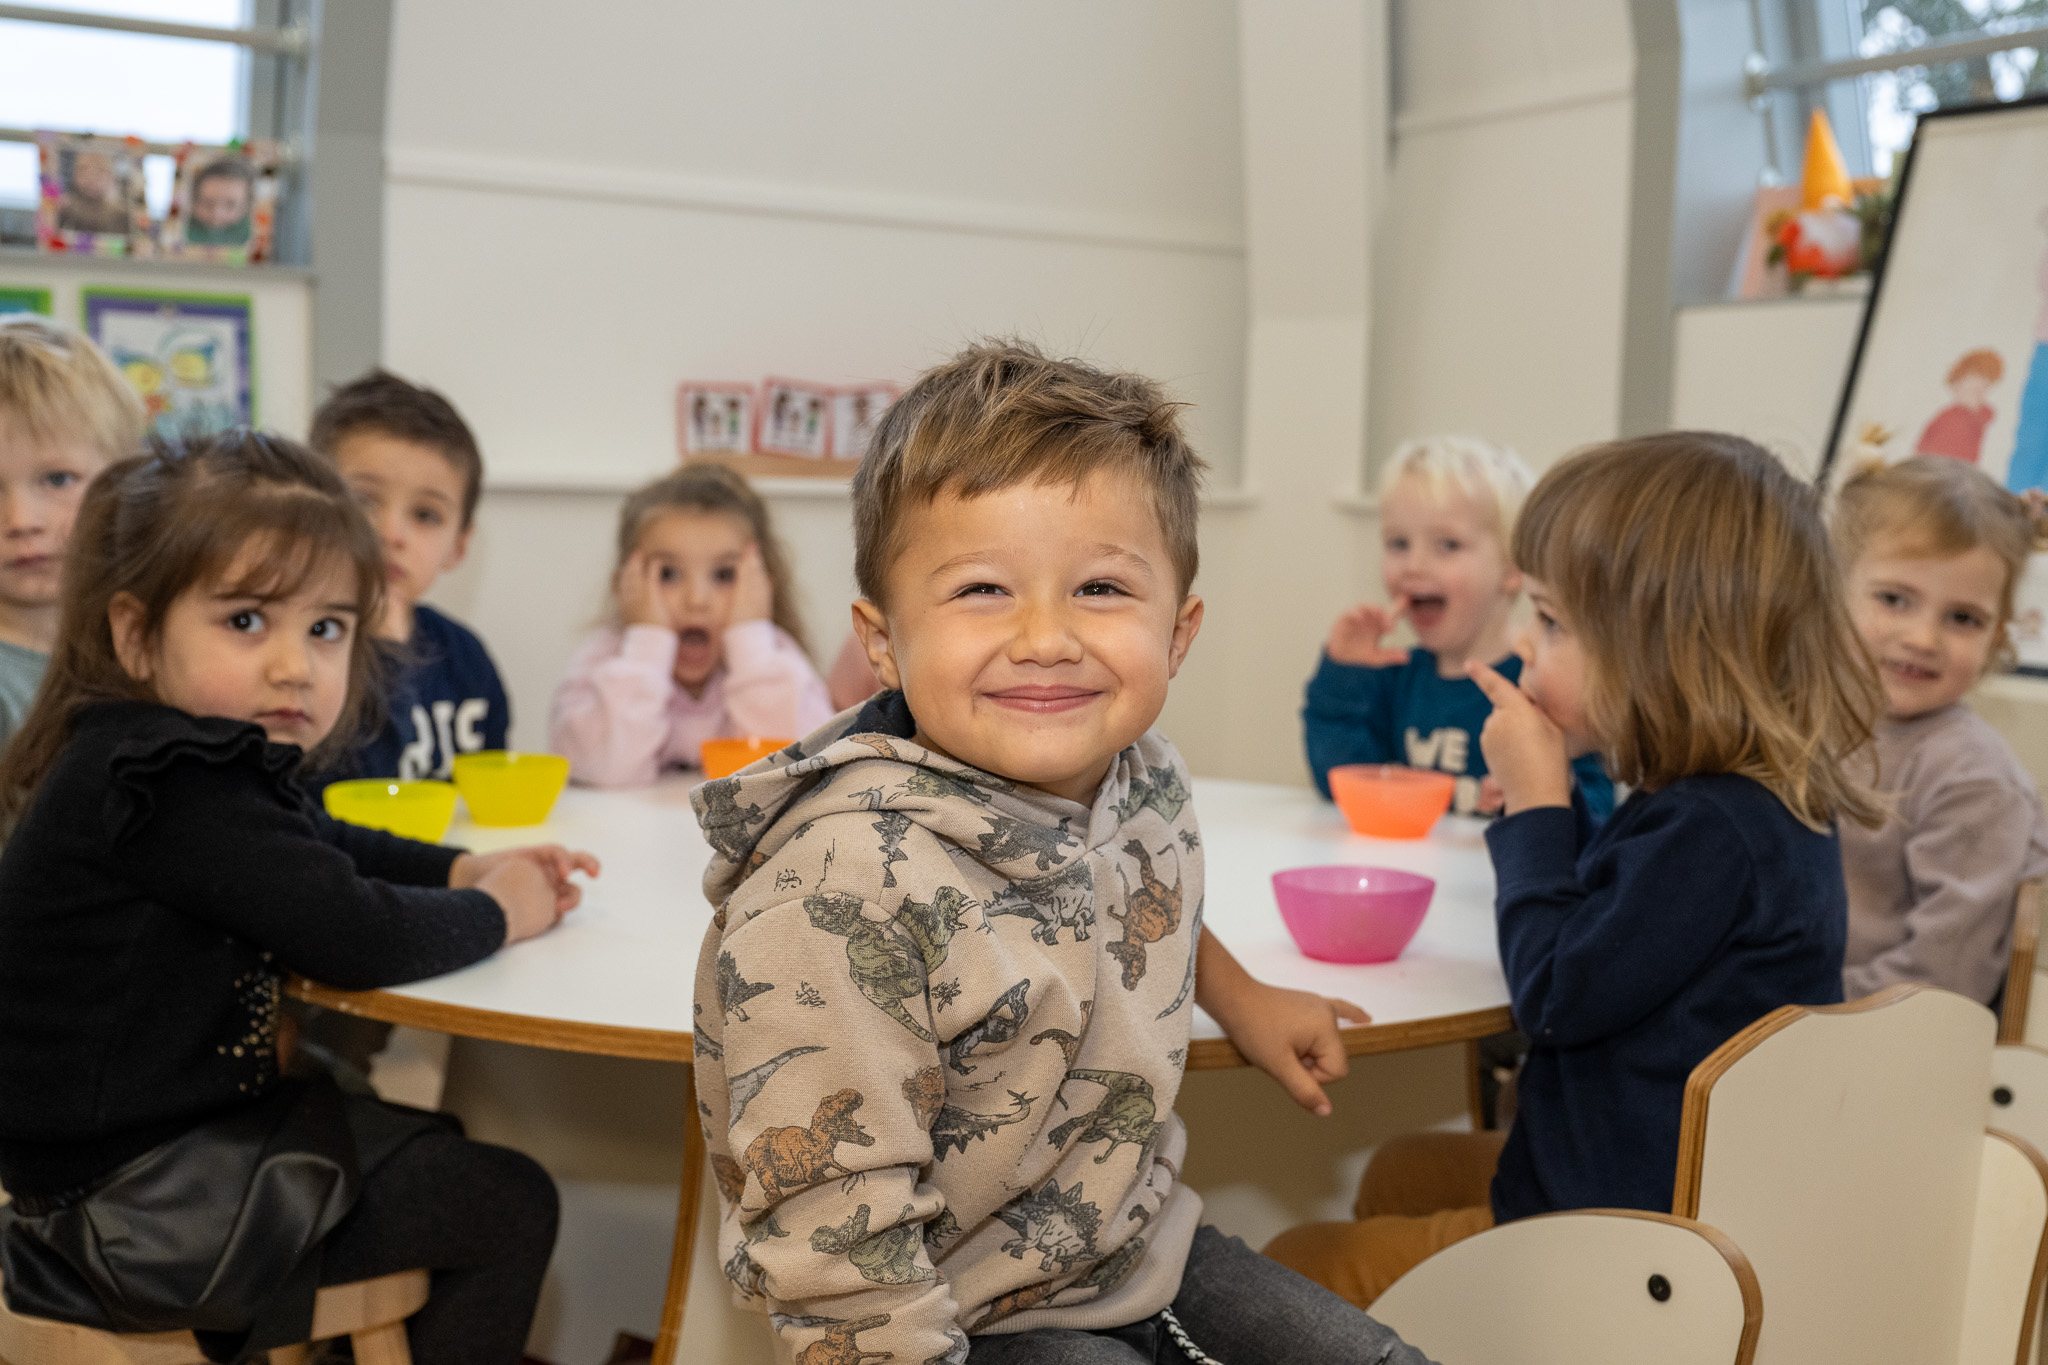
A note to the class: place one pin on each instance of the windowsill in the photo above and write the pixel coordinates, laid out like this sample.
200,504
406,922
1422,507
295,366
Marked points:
151,265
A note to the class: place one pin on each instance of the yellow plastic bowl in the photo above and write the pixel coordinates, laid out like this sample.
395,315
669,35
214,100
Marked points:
724,757
413,810
504,788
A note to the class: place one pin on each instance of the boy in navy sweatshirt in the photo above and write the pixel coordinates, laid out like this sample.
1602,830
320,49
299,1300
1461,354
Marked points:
412,461
1447,505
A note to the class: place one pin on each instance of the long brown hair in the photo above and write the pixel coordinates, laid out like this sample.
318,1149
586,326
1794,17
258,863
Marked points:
1698,574
157,525
714,488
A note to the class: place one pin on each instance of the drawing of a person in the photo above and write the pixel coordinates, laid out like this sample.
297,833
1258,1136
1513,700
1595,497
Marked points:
1957,431
2029,467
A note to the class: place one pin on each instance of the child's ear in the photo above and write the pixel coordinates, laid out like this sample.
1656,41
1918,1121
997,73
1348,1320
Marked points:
1511,581
873,629
1187,623
125,620
461,550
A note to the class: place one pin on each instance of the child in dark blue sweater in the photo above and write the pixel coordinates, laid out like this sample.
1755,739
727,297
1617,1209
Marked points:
1446,507
1689,628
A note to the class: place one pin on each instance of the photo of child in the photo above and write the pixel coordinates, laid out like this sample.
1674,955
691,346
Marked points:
713,418
855,411
794,418
92,195
1957,431
224,206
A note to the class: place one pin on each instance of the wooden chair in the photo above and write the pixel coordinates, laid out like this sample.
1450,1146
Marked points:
1603,1287
370,1313
1844,1149
2013,1014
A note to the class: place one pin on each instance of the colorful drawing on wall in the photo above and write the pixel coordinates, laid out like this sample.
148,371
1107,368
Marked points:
795,419
189,356
855,411
22,299
1953,356
92,195
714,419
224,208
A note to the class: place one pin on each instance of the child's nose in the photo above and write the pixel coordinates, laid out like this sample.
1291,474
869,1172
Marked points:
291,662
18,515
1045,636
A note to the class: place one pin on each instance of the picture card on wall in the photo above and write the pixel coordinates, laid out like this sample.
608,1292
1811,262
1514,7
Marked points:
714,419
92,198
855,411
189,356
23,299
795,419
224,207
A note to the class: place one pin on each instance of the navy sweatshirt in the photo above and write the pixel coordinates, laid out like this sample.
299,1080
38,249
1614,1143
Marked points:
167,874
1406,714
1635,951
446,699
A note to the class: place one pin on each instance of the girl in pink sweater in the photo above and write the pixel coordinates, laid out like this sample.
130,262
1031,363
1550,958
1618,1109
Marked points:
708,642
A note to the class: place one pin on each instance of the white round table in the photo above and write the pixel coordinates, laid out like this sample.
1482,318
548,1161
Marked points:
616,977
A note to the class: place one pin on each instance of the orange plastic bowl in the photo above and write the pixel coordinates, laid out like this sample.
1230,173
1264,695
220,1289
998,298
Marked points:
1382,801
724,757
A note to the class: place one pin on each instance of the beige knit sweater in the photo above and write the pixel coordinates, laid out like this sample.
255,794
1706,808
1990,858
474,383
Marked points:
941,1020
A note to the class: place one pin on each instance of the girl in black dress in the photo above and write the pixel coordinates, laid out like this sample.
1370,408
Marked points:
164,869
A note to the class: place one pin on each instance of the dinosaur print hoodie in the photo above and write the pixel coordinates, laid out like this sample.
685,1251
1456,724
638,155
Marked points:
940,1023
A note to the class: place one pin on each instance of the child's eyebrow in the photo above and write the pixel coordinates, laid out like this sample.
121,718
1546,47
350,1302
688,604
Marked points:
1125,556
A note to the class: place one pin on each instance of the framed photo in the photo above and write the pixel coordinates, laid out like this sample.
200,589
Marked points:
21,299
1952,360
224,207
855,411
190,357
795,418
714,419
92,195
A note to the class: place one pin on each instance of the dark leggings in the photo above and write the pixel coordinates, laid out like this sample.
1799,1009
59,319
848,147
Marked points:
481,1218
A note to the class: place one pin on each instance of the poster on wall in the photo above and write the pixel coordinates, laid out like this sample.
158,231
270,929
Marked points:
92,195
189,356
22,299
224,205
714,419
855,411
795,419
1952,361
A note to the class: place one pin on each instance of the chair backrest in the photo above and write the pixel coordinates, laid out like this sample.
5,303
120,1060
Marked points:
1605,1287
2015,1010
1843,1149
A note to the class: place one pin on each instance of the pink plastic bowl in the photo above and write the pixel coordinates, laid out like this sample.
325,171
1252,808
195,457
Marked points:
1352,914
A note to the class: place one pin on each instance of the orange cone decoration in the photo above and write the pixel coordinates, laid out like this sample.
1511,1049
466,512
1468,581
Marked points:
1826,175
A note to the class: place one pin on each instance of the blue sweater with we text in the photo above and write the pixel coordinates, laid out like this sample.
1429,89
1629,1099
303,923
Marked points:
1632,953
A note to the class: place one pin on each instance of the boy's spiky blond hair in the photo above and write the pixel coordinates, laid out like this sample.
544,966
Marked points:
1493,476
56,385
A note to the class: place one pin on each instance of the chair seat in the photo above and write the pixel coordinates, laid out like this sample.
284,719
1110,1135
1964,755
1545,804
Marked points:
339,1311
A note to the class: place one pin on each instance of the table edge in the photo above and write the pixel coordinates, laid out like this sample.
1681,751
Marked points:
662,1045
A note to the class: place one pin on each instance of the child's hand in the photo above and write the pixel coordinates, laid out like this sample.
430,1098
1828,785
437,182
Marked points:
1525,751
642,599
523,892
1490,798
1292,1037
1355,639
753,592
553,861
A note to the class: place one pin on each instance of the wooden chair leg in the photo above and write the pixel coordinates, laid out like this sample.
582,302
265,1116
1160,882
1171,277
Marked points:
291,1355
384,1345
687,1203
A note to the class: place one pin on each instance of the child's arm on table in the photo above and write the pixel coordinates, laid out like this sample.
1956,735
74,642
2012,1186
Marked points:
1964,860
771,689
1347,716
610,714
831,1148
1292,1036
1586,960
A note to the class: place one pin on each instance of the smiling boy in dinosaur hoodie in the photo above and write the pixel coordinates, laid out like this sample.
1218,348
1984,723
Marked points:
943,1009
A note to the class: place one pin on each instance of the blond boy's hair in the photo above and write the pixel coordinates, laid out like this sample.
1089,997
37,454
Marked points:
1493,476
1697,575
1935,507
1003,413
57,385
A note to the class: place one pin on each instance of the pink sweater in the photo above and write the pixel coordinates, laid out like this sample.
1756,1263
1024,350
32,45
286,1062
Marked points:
622,720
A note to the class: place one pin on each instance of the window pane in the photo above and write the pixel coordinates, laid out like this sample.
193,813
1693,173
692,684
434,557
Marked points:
17,175
1893,99
164,89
